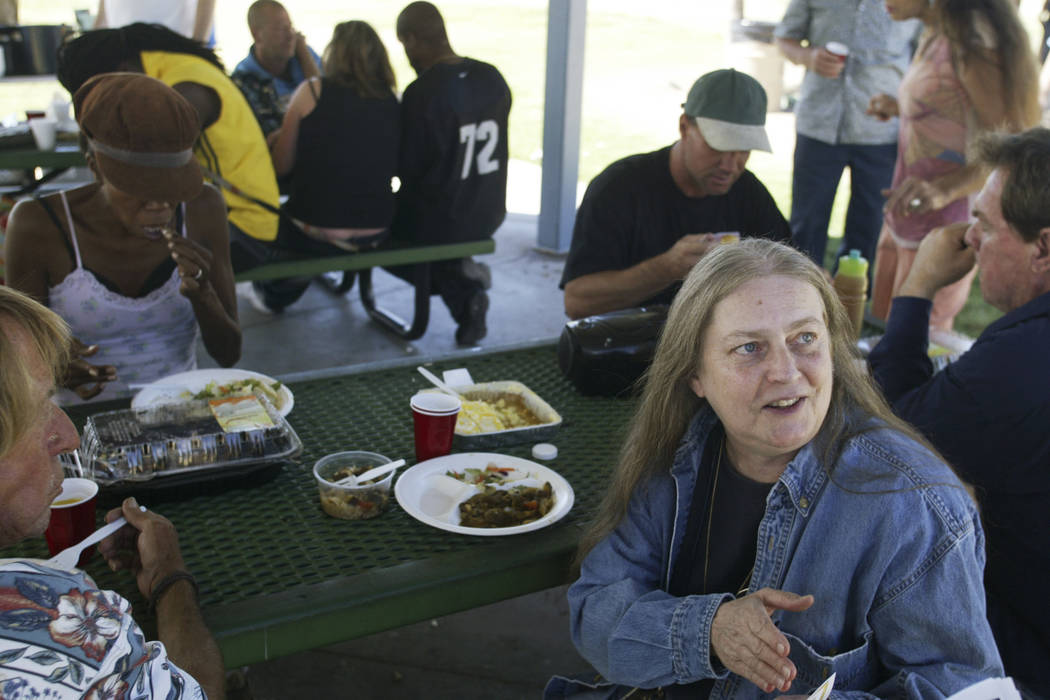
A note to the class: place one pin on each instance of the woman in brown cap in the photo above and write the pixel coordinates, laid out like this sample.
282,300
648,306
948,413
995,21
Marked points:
137,263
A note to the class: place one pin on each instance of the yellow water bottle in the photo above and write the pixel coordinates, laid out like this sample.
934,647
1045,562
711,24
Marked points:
851,283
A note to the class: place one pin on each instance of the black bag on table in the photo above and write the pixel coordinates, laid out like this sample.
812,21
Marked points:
604,355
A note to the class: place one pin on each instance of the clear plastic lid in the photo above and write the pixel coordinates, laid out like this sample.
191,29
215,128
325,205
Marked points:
209,434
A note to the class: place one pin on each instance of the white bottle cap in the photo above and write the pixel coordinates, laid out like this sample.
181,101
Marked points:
544,450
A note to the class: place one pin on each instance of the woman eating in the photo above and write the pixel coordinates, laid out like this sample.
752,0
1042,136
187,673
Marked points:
770,522
137,262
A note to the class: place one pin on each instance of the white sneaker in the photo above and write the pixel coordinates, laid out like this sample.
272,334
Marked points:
251,294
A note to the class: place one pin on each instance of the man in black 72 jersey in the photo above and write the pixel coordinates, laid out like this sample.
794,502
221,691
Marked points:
453,163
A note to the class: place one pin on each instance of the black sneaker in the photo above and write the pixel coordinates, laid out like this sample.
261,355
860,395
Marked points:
478,272
473,328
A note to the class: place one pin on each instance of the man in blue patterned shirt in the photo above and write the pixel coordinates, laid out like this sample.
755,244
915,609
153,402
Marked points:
833,131
60,636
276,64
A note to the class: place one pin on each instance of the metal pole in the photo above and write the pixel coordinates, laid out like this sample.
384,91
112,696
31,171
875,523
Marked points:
566,25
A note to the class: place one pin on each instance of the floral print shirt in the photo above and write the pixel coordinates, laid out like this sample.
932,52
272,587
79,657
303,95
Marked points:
62,637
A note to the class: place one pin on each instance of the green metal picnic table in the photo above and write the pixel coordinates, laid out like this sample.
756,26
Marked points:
278,576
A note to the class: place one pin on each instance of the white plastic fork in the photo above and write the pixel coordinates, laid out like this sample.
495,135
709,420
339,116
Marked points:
68,557
382,469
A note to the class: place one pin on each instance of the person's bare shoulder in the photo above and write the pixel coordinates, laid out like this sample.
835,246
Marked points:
34,248
206,214
29,219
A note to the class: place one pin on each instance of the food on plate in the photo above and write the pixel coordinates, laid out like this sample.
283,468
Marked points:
240,387
490,415
517,505
492,474
356,504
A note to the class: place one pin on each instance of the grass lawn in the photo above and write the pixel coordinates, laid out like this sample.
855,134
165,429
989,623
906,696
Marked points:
640,59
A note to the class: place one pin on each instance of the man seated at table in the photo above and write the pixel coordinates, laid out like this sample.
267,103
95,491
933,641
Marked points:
988,411
278,61
453,162
647,219
60,636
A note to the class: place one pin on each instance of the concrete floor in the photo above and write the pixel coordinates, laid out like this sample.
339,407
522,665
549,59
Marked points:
505,650
321,330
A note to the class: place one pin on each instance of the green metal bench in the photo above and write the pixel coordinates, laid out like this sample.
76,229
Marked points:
418,257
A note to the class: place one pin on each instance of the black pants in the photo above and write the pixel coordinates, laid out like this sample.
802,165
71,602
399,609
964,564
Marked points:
448,280
248,252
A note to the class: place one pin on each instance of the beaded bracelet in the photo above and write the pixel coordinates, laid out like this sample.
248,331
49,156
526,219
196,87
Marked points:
167,582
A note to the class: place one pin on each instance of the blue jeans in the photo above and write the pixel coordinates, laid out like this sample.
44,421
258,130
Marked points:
818,167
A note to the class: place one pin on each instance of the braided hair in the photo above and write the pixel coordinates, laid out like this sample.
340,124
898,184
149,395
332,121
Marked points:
108,50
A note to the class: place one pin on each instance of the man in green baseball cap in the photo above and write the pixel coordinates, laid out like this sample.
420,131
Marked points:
647,219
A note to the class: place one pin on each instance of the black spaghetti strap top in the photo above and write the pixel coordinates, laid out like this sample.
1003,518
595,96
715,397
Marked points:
156,279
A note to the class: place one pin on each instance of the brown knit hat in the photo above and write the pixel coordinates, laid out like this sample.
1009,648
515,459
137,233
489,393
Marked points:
142,134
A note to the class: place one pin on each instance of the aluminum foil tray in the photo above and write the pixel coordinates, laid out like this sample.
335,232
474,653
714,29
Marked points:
550,420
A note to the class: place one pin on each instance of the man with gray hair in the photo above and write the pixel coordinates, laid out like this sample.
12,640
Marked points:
988,411
647,219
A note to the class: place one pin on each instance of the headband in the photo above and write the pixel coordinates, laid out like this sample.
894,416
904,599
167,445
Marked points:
169,159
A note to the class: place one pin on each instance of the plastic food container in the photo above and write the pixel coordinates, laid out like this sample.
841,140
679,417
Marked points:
186,440
352,502
500,397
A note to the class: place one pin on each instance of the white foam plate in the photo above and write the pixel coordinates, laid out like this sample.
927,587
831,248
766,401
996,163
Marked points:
171,389
425,493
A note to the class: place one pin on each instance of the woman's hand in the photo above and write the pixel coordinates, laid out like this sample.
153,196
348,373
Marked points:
746,641
84,378
194,261
883,107
915,196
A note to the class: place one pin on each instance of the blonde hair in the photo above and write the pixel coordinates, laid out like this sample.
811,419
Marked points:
668,403
357,58
50,337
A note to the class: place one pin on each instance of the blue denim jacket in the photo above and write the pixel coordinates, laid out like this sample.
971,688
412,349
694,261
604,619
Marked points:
891,548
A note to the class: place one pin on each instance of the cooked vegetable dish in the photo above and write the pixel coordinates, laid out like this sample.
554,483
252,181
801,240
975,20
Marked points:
354,504
517,505
491,475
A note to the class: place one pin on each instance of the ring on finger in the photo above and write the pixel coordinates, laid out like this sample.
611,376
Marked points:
915,203
200,273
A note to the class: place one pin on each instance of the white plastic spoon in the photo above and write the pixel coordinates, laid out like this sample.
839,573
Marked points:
372,473
438,383
68,557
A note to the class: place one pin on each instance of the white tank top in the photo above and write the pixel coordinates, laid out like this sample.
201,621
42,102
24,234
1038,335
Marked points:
145,338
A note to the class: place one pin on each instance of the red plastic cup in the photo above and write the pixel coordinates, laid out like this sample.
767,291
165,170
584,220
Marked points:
72,517
838,50
434,417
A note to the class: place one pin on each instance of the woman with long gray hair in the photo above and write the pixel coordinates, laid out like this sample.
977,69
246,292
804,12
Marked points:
770,522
